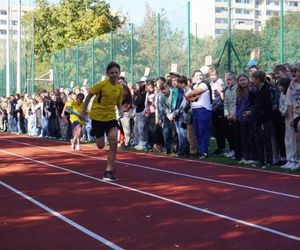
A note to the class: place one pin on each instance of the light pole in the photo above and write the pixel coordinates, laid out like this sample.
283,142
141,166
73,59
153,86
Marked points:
19,49
8,49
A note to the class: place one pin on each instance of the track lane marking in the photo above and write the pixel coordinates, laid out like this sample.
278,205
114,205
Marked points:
169,172
63,218
206,211
183,159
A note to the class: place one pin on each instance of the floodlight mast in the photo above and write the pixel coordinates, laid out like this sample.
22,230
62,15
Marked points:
8,49
19,49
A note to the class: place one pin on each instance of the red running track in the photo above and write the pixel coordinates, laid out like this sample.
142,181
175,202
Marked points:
159,203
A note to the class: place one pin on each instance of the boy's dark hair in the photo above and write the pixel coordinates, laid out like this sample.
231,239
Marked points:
161,79
213,70
297,67
162,85
196,71
280,67
112,65
175,75
80,96
183,79
284,83
150,82
253,67
260,75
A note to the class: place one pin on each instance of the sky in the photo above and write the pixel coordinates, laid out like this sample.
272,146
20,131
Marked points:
134,8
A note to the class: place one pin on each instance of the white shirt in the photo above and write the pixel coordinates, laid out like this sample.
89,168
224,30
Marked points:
204,99
293,98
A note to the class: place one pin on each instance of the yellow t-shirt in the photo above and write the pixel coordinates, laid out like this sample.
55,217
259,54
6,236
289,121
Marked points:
76,107
107,97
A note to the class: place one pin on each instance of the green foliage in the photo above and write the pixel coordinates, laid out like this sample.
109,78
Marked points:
69,23
60,28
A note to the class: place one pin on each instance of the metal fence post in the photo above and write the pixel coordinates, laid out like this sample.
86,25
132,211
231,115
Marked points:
77,65
188,39
131,53
93,61
111,46
281,32
158,45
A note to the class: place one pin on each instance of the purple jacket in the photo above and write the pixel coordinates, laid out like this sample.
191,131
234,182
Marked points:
242,105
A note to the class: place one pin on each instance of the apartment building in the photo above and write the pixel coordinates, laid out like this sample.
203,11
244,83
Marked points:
211,16
13,19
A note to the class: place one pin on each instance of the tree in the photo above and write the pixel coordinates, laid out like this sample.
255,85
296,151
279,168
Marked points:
69,23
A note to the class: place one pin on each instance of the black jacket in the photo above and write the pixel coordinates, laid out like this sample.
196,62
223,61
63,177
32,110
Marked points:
263,105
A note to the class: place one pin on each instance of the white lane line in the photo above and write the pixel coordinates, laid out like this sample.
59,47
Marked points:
203,210
63,218
186,160
172,172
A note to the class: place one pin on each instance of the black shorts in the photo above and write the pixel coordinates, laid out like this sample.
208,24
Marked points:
75,123
100,128
296,121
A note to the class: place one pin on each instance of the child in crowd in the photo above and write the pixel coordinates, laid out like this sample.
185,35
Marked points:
293,103
262,112
290,135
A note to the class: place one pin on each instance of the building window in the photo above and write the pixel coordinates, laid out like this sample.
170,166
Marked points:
2,32
219,31
257,14
272,2
3,12
243,11
14,23
221,1
2,22
272,13
243,1
221,9
221,20
257,24
293,4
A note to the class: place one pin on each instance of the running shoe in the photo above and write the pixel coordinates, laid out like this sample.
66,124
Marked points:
109,176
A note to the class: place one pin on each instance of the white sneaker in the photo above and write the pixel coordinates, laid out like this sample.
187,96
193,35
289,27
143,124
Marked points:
242,161
139,147
294,166
77,147
230,154
287,165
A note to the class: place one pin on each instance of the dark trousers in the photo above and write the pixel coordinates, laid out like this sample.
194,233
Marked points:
263,143
279,131
233,135
218,123
166,130
248,142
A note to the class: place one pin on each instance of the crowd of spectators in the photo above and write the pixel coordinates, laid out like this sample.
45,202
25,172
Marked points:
253,117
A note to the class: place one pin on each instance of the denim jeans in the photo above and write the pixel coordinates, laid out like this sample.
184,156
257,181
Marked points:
202,126
182,136
140,130
166,130
45,126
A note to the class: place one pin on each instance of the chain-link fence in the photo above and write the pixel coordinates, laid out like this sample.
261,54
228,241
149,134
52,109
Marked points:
158,45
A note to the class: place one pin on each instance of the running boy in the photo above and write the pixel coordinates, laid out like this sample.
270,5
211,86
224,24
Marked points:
103,114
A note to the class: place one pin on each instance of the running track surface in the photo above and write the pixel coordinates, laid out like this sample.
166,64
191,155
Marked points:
54,198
